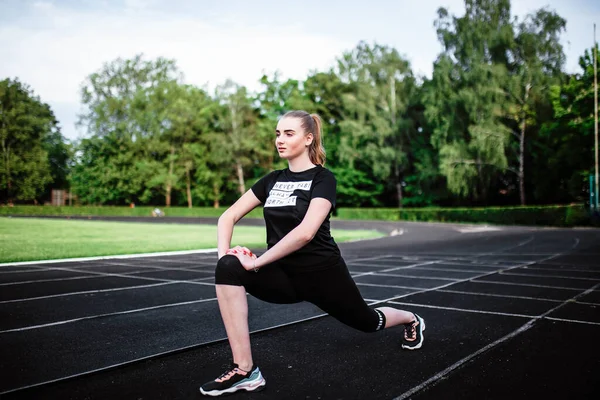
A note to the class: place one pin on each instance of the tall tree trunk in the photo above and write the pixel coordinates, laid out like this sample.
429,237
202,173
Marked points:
393,122
398,184
522,147
522,163
217,194
6,154
170,178
188,186
240,175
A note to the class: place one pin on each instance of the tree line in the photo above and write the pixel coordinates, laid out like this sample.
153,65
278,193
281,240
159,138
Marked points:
499,123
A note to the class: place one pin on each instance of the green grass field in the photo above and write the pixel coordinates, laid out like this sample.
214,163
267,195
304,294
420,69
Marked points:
31,239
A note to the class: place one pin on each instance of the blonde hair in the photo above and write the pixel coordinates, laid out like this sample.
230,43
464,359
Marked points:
311,123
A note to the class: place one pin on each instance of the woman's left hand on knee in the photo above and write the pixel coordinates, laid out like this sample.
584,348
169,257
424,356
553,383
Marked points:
245,256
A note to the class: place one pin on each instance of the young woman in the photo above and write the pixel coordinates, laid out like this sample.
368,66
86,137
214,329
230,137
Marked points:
302,263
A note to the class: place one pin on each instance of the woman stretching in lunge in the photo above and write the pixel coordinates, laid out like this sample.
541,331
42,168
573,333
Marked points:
302,263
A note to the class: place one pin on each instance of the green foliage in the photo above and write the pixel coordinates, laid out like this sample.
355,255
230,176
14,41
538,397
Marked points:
566,143
116,211
28,133
559,216
497,123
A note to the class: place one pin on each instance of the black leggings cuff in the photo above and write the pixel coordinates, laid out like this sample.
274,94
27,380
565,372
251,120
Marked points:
381,323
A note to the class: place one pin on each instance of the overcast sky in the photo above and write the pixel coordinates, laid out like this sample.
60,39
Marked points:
52,45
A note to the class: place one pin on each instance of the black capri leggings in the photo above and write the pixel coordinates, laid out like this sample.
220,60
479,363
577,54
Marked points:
332,290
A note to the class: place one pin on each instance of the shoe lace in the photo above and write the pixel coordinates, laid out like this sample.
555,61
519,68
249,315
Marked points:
231,371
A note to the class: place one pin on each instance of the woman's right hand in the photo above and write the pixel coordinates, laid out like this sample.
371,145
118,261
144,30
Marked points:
246,257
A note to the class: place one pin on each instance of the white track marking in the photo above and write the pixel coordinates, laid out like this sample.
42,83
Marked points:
416,277
513,273
86,292
123,256
574,320
468,310
477,229
68,321
152,356
535,267
587,303
266,329
155,267
498,295
516,332
526,284
432,268
372,258
386,286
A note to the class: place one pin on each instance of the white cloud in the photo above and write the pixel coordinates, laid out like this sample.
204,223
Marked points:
56,56
54,47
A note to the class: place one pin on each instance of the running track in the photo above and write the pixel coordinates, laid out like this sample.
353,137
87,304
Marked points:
511,313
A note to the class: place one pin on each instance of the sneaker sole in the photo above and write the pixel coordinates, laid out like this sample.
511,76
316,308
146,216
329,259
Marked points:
418,345
249,387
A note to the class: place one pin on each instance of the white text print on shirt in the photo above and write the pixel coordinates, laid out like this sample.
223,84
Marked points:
281,194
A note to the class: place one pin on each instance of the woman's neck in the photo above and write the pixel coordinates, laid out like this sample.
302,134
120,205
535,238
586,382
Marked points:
300,164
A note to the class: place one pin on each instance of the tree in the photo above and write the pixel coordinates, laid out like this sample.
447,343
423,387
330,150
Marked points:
465,100
536,63
126,103
190,115
27,126
375,125
60,156
566,143
237,122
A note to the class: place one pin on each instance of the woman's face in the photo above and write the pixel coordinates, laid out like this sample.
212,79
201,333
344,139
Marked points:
290,139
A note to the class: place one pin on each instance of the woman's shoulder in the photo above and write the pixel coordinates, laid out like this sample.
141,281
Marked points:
324,172
273,174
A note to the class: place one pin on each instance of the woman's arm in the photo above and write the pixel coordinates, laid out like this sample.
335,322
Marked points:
298,237
230,217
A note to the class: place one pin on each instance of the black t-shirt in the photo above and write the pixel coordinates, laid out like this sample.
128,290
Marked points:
286,196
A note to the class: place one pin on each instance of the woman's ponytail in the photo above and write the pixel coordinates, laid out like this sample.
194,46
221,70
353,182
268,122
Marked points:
311,123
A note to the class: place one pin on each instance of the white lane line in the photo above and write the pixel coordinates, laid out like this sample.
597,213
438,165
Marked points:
199,263
155,267
389,269
498,295
373,258
525,284
387,286
407,266
535,267
68,321
122,256
86,292
372,265
514,333
577,321
433,268
108,290
401,303
196,345
26,271
416,277
146,278
155,355
513,273
587,303
72,278
96,274
477,229
477,264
